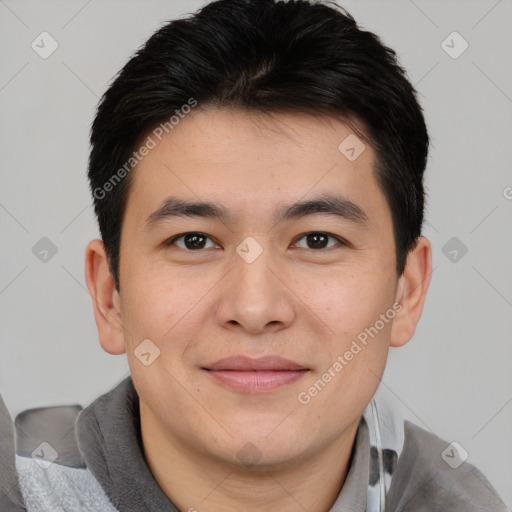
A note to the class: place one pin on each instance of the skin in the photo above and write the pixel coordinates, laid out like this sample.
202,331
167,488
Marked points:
295,300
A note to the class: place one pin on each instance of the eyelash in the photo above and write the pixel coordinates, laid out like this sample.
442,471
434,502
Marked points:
172,241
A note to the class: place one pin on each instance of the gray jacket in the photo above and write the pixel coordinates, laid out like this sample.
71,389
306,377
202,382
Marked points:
73,460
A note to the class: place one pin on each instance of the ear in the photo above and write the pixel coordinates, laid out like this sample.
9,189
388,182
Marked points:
105,298
412,291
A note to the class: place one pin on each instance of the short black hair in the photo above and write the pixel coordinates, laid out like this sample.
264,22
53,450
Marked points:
295,56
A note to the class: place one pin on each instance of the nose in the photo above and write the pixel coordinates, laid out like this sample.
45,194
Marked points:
254,297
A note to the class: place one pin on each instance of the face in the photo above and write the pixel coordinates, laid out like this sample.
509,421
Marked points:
283,289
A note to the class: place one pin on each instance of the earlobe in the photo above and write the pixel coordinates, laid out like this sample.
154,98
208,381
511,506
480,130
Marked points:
411,292
106,300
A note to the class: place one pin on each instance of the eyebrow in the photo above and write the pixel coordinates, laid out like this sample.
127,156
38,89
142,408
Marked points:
325,204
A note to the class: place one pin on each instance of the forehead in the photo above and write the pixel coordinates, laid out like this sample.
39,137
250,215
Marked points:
252,163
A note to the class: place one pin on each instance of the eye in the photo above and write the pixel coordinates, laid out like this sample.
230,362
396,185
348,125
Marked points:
318,240
190,241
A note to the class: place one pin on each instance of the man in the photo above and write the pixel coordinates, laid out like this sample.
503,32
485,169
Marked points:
257,174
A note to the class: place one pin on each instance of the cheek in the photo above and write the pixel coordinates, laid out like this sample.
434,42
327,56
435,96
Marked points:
158,305
354,340
353,343
346,302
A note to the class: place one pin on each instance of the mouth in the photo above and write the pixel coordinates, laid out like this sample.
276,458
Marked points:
250,375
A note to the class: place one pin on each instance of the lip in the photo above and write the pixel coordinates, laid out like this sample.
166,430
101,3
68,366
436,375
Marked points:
265,363
255,375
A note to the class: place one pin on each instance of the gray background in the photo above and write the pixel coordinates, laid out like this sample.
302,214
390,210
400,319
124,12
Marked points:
454,378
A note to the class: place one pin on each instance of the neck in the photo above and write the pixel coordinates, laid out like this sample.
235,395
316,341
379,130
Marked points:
199,482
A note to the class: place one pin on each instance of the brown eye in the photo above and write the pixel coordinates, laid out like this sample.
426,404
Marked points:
191,241
317,240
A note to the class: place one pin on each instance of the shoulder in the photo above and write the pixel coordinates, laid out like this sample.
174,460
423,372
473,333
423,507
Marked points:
433,475
52,486
10,494
48,464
